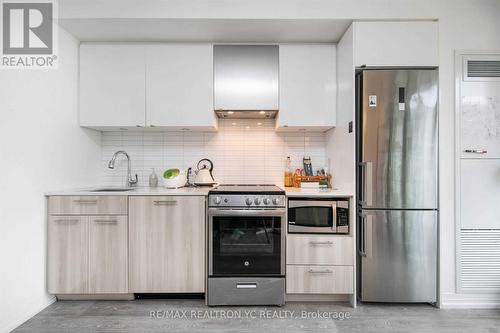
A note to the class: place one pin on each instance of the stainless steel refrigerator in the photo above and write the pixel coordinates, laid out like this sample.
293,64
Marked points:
397,150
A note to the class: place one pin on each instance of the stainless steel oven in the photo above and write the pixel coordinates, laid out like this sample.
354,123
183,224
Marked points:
246,249
314,215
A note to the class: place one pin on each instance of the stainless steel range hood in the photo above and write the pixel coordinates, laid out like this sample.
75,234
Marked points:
246,81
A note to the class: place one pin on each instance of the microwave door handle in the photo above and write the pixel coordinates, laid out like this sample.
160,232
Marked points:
334,216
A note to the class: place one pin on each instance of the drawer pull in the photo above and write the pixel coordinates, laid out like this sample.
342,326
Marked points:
106,221
322,271
69,221
85,202
321,243
164,202
246,285
476,151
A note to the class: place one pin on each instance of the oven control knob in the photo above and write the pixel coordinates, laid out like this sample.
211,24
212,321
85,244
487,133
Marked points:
267,201
276,201
217,200
257,201
248,201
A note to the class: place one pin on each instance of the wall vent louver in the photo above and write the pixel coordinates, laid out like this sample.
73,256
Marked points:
483,68
479,261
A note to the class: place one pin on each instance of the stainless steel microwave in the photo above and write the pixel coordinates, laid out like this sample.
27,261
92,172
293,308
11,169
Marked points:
330,216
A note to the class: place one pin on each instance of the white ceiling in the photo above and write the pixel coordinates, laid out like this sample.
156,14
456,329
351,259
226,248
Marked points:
207,30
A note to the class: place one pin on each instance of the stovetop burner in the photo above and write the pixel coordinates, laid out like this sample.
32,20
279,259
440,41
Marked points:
247,189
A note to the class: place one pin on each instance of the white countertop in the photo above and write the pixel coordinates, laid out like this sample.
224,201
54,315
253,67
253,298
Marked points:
136,191
290,191
311,192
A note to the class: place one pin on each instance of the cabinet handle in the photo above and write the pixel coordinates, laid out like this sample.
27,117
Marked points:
106,221
322,271
85,202
321,243
70,221
475,151
164,202
246,285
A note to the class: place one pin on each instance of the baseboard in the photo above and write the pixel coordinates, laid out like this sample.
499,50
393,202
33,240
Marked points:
470,301
95,297
29,311
316,298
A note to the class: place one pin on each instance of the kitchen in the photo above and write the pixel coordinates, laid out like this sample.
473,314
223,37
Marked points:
238,116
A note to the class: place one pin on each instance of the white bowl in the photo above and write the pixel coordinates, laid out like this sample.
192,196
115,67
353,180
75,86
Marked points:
179,181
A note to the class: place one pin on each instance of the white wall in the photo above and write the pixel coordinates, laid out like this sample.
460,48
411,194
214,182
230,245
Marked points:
41,148
244,151
340,147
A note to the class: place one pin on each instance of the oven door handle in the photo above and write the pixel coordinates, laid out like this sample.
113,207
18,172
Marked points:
246,212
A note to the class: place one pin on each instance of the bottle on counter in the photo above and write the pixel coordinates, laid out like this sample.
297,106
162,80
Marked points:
288,181
153,178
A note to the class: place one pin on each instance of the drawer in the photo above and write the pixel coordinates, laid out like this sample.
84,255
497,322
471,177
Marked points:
319,279
319,250
88,205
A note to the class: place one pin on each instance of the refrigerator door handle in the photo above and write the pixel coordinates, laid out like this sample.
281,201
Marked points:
362,236
362,199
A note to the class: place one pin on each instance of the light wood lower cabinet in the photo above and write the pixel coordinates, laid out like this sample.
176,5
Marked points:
88,205
319,250
87,254
167,244
108,260
67,255
319,279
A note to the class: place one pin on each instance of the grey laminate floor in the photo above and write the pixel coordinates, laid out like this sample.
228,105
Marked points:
138,316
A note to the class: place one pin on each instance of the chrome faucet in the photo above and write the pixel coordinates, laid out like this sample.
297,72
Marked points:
130,182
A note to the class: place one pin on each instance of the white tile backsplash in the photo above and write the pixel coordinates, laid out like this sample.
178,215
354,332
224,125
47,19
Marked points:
243,151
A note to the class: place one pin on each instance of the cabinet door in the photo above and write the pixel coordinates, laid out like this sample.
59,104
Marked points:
112,85
179,88
67,255
167,244
308,86
319,250
108,259
480,193
319,279
396,43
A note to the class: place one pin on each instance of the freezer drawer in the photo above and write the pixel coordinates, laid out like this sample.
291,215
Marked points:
398,256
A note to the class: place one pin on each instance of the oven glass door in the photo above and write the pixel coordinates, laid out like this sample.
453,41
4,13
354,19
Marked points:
246,245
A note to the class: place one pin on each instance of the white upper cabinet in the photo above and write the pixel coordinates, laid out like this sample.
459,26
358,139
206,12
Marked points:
179,86
112,85
396,43
137,85
308,86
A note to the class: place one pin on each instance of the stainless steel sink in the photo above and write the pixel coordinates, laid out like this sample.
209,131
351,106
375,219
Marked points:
112,189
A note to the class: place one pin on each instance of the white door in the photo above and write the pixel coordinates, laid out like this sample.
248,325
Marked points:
112,85
179,86
308,86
